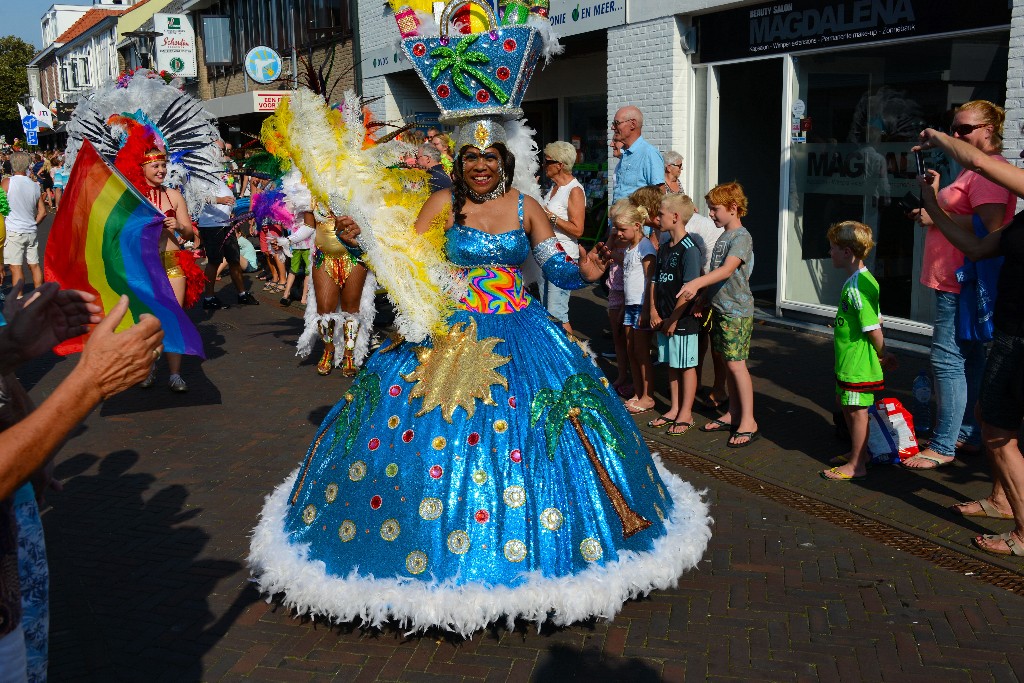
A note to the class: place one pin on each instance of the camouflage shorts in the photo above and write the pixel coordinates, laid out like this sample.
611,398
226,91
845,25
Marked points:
731,336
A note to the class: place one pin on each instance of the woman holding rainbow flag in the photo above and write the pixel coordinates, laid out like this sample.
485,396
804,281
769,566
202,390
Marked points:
143,161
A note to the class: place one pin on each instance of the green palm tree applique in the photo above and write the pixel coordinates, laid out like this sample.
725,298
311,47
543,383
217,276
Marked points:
461,64
580,404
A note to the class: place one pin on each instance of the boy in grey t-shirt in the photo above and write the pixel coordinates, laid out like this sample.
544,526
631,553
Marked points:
732,305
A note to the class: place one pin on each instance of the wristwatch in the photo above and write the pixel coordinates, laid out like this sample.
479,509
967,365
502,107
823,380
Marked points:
554,220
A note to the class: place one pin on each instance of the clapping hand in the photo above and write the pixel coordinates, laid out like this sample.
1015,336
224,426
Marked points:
113,361
48,316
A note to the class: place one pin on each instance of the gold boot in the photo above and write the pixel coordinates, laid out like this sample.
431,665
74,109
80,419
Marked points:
326,363
350,329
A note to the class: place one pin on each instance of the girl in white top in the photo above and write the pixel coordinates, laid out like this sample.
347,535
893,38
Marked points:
565,206
628,220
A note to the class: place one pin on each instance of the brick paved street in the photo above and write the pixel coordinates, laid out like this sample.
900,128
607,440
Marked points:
148,541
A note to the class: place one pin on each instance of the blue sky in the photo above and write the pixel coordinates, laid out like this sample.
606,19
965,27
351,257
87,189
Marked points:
24,22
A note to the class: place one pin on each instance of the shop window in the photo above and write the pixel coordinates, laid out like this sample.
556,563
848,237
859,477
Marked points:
857,114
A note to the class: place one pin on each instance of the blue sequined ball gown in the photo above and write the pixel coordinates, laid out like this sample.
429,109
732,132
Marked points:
488,474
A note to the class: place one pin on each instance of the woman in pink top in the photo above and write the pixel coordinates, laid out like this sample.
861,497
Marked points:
957,364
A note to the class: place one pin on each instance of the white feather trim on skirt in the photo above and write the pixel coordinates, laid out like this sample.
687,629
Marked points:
599,591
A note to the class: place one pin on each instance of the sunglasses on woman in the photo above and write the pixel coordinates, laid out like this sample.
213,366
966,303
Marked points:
964,129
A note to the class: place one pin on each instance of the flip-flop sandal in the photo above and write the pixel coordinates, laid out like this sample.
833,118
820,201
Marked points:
937,463
685,425
987,509
751,438
634,409
833,474
1013,548
717,426
662,422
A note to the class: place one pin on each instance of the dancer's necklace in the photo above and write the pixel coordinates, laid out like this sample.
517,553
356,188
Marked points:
481,198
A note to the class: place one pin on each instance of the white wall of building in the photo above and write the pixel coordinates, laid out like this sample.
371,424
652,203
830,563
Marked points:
1013,138
647,68
58,19
88,62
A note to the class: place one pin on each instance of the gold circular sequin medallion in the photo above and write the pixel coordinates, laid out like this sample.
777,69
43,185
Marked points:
480,477
331,493
515,496
347,531
390,529
391,470
439,442
552,519
591,549
309,514
515,550
393,422
416,562
431,508
458,542
357,470
500,426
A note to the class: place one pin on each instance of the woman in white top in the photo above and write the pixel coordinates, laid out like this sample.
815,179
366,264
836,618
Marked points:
565,205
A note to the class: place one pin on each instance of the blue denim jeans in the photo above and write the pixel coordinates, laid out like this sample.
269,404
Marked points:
555,299
958,367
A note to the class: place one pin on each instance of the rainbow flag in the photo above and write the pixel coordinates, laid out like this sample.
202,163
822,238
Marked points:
105,240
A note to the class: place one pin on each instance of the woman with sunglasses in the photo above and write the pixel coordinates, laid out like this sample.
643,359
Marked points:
673,169
1001,403
957,364
565,205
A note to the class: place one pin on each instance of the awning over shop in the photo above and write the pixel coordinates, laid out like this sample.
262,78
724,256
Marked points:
252,102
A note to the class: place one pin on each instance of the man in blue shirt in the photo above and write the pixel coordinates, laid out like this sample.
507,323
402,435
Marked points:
641,164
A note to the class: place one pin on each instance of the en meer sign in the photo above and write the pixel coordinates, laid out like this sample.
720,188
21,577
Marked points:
780,27
175,50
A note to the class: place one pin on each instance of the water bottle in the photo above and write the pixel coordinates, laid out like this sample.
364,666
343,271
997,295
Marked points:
923,397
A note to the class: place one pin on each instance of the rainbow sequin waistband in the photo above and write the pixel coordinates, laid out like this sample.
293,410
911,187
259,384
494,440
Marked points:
495,290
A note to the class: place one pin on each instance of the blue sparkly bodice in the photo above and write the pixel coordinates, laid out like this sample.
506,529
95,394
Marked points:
469,247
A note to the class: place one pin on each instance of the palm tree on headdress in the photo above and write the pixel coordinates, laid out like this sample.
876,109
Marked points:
364,393
461,63
580,403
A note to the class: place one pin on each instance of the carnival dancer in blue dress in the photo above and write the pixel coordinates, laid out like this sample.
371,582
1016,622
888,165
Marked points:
483,472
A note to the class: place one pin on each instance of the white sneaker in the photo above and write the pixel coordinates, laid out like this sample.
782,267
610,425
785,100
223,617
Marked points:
177,384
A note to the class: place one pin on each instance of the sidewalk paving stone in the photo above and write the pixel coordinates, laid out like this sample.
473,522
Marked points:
147,544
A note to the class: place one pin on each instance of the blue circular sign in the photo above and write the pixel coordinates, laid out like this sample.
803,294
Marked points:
263,64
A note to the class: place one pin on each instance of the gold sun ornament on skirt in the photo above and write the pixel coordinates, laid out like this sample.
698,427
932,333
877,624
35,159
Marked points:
457,371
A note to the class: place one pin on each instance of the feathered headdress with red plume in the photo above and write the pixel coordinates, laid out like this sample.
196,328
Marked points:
139,139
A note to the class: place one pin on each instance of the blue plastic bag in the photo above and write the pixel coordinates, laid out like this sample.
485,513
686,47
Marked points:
977,294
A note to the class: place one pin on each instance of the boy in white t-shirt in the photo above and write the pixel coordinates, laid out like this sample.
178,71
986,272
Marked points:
628,220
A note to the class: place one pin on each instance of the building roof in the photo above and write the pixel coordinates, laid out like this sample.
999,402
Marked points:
87,21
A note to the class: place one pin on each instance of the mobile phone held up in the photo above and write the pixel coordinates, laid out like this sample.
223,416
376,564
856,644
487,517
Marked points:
920,162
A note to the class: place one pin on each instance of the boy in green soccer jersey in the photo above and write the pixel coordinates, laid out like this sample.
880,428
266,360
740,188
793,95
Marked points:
859,346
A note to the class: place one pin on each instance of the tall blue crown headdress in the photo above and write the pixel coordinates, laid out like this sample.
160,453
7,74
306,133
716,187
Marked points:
479,79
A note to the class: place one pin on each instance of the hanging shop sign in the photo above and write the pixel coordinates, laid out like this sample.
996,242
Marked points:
263,64
781,27
175,50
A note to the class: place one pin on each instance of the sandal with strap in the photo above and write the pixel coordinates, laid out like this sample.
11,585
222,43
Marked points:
685,425
717,426
1012,547
987,509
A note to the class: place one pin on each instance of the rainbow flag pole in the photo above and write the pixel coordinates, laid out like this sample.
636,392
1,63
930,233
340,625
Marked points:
105,240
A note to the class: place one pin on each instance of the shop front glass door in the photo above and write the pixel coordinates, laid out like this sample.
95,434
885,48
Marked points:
856,115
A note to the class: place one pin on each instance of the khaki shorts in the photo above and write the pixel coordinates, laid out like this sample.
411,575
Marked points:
21,248
731,336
